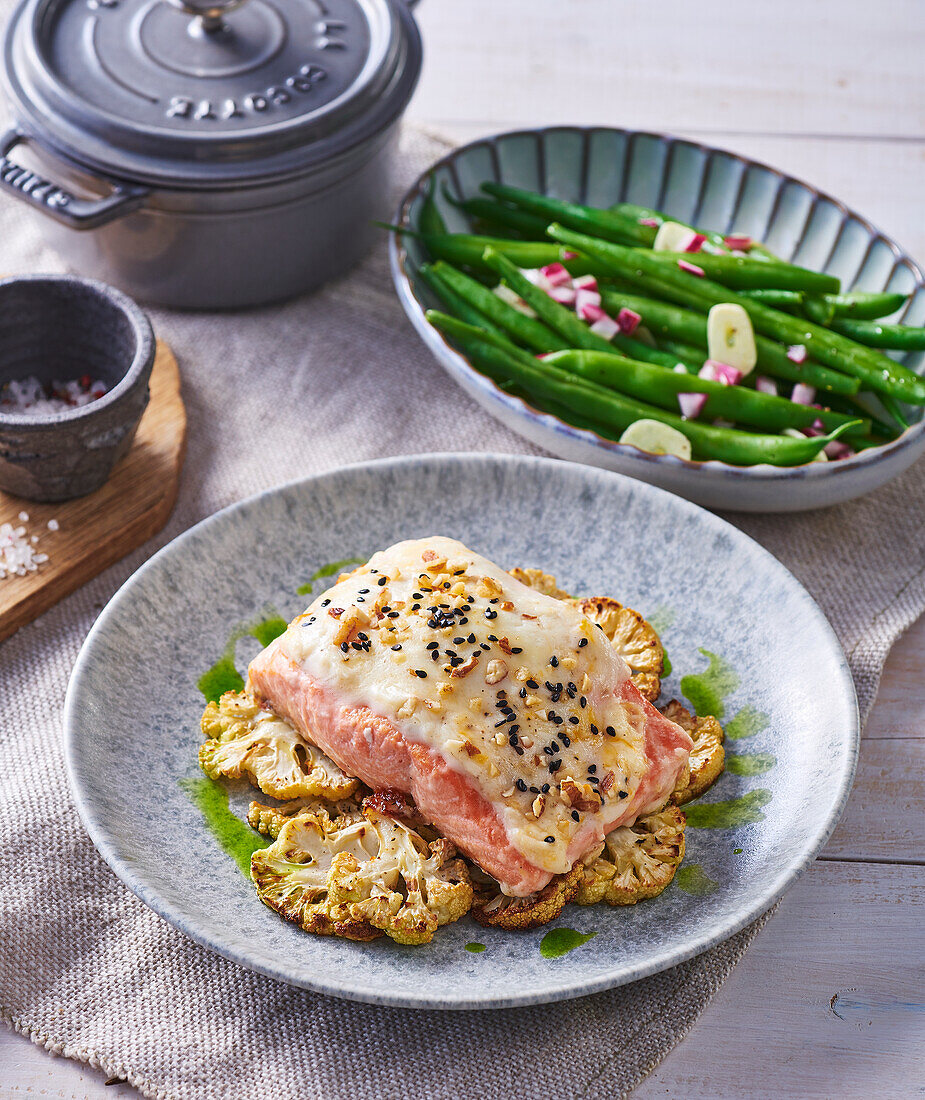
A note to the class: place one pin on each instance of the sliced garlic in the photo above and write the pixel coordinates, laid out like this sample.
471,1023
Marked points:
795,433
672,237
731,338
657,438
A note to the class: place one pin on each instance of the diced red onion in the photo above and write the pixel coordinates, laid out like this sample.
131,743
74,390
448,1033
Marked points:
588,311
836,449
691,404
738,241
715,371
628,320
691,269
695,243
796,353
651,222
803,394
556,274
605,326
564,295
543,355
536,276
567,255
765,385
585,282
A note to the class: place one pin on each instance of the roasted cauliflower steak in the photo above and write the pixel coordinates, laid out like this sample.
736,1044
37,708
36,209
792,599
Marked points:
635,861
533,911
360,875
632,637
707,758
243,738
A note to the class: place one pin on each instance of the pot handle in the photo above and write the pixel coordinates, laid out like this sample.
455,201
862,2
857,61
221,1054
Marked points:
59,203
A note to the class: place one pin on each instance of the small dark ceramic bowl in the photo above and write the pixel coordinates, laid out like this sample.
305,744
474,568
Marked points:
59,327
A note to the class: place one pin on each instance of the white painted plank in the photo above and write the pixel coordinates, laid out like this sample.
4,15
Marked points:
826,67
885,815
827,1002
900,707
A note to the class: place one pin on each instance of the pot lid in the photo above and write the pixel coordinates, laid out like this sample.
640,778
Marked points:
197,92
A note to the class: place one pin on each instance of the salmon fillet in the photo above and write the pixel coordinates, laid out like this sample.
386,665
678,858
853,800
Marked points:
523,740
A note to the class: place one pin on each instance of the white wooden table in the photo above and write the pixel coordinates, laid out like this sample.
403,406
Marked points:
828,1002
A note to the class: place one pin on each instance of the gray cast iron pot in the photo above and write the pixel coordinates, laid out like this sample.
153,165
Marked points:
59,327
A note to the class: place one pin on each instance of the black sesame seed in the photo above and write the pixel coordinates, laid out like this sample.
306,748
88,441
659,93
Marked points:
576,816
363,591
324,603
492,637
357,645
344,647
471,639
582,643
513,730
382,581
545,788
594,728
592,768
463,621
393,614
458,641
554,661
534,790
558,720
504,721
360,599
582,702
484,645
433,645
523,693
574,719
611,732
549,839
417,595
415,607
420,672
521,786
532,684
565,740
551,714
435,655
466,607
489,614
553,747
518,750
621,794
495,600
516,649
555,765
397,646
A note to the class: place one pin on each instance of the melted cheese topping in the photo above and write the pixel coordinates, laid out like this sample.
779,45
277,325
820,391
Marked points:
513,688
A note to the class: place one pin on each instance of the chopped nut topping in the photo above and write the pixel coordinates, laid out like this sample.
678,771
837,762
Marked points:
463,669
580,796
354,619
507,606
495,671
408,707
539,804
607,782
585,684
488,586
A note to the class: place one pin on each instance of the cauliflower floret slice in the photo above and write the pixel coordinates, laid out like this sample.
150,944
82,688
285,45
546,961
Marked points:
542,582
518,914
707,758
636,861
633,638
360,875
269,820
243,738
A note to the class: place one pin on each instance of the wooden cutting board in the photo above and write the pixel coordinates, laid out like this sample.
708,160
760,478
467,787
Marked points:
97,530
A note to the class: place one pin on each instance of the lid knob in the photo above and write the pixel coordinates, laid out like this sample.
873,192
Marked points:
208,13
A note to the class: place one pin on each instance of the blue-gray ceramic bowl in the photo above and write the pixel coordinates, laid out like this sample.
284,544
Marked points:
57,328
699,184
133,708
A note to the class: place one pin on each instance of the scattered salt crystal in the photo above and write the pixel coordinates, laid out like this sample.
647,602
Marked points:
30,397
23,517
17,550
53,525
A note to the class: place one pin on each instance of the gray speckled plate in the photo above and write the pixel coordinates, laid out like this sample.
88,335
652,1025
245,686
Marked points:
133,707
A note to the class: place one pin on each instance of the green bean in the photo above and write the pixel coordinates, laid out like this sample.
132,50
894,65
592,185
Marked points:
818,308
686,354
667,320
510,217
741,272
456,302
617,412
633,210
602,223
661,387
867,305
892,407
431,220
560,319
878,371
789,300
876,335
466,249
525,330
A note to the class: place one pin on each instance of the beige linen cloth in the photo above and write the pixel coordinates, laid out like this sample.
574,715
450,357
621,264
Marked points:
90,973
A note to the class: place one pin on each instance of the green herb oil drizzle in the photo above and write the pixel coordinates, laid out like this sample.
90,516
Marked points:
707,690
326,571
745,810
475,948
746,723
234,837
223,675
692,879
756,763
560,941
